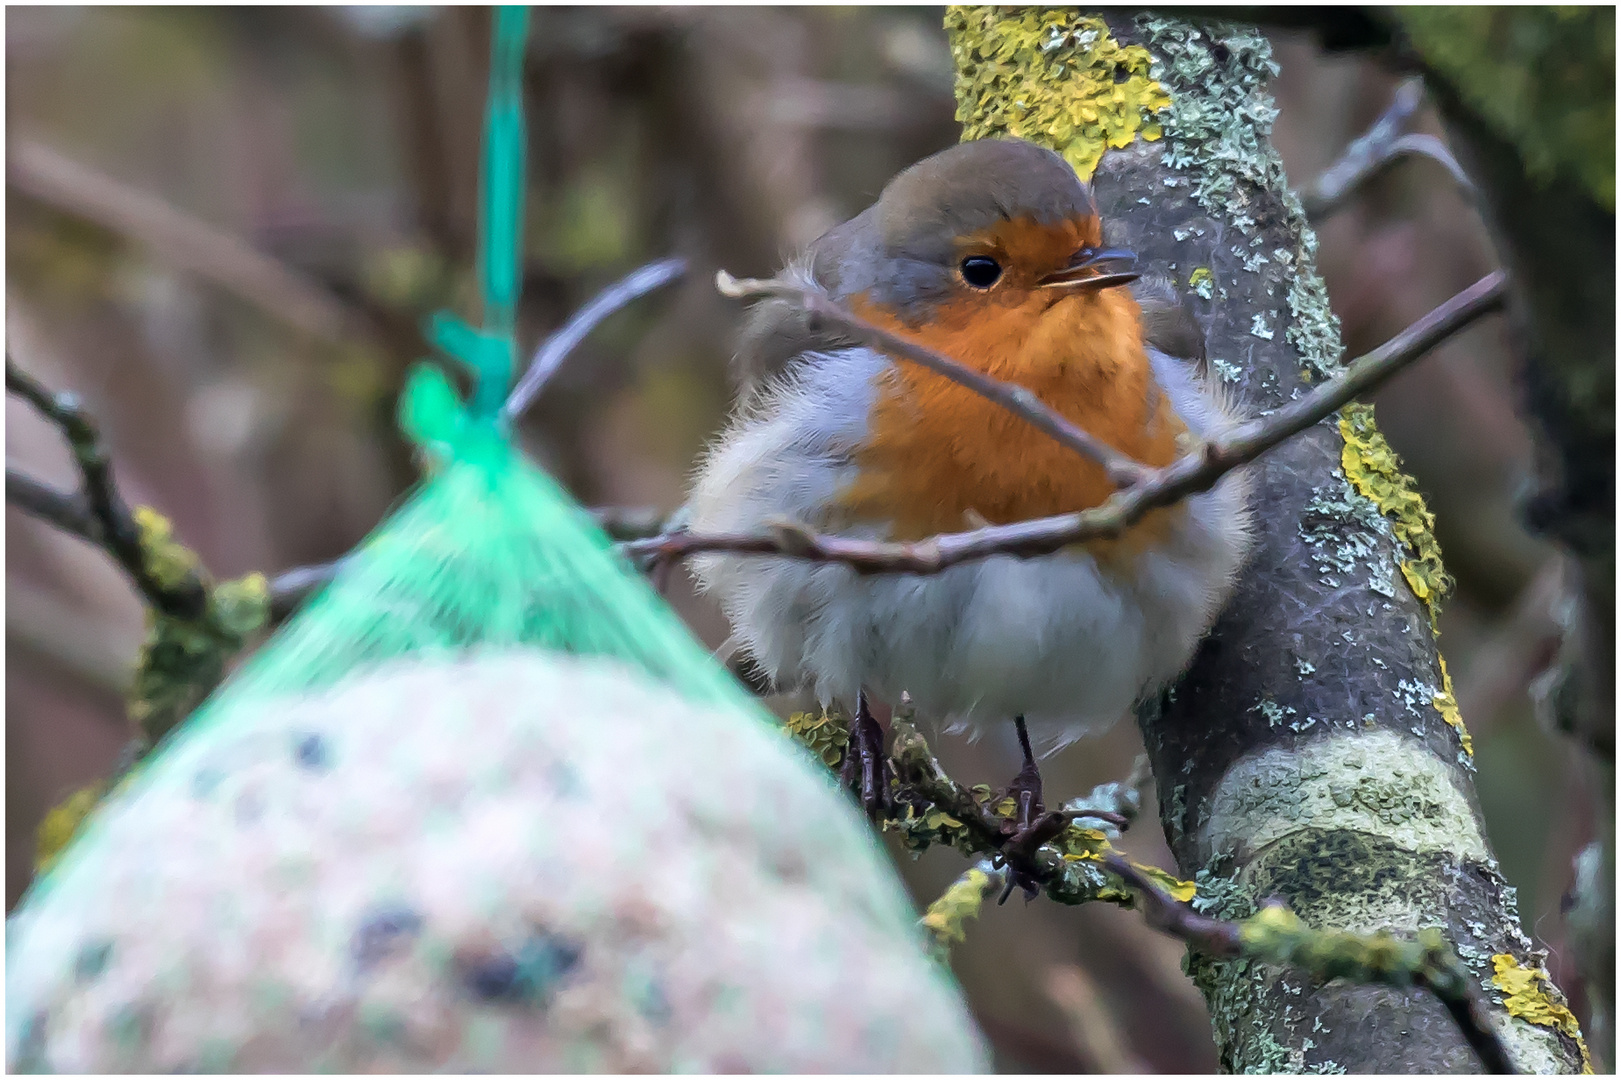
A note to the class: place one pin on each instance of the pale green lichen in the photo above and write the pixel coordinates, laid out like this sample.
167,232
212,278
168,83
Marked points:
1371,782
1314,330
1218,135
1233,989
1054,77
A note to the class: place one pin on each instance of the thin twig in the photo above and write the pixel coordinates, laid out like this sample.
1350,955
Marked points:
63,509
116,528
43,174
1325,955
1468,1011
555,349
1121,469
1199,470
292,587
1384,144
629,522
71,513
1163,912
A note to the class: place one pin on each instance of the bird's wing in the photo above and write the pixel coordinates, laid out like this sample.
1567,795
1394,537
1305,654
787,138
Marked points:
1169,324
777,334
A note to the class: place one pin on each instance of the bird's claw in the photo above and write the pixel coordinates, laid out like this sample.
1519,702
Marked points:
1019,852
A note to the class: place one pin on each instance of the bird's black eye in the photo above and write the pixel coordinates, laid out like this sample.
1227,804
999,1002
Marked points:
981,271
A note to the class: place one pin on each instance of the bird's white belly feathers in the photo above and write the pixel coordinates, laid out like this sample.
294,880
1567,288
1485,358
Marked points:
1058,639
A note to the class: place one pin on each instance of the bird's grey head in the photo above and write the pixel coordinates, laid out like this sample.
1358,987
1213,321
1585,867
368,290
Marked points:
904,250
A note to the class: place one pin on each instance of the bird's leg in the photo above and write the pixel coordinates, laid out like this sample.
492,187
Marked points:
1026,787
863,768
1032,825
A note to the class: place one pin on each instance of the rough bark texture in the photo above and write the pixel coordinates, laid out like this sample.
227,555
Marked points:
1541,148
1305,755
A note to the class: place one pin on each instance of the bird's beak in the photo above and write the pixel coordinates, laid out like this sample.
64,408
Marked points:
1080,275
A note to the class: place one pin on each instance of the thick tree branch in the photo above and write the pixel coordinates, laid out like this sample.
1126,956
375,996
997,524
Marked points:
1277,936
1195,471
1121,469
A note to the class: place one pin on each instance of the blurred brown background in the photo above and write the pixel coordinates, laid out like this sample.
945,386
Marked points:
224,227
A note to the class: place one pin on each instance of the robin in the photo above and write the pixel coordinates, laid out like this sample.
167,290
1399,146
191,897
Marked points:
991,253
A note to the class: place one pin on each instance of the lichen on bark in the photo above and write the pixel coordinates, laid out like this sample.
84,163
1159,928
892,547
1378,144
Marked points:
1321,682
1007,59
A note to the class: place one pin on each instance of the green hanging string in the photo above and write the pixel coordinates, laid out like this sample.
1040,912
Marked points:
501,223
489,552
429,411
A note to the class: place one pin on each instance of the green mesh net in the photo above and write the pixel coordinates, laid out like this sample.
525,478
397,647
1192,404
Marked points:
489,551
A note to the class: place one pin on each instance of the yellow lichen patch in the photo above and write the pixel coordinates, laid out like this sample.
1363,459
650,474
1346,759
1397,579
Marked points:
62,823
1525,995
168,561
1179,889
944,920
1375,471
1081,843
1053,77
182,660
825,733
1202,282
1168,883
1447,705
1090,845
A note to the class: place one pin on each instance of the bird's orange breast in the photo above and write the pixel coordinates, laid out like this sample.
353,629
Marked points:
938,457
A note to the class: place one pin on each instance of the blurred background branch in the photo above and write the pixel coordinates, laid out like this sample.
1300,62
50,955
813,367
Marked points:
1370,155
37,172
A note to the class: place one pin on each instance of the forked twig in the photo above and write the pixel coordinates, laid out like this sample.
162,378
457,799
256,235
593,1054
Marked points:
97,513
1376,151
